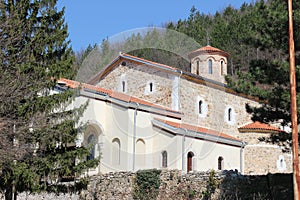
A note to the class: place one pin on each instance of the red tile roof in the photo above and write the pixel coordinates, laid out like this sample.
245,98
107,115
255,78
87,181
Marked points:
258,126
75,84
113,94
210,50
197,129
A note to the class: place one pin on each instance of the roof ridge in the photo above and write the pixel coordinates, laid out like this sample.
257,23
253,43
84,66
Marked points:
257,125
149,61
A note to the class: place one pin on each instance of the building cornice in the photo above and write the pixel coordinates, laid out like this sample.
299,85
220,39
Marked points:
186,75
198,134
120,99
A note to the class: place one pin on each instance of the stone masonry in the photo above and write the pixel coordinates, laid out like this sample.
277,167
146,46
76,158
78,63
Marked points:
138,77
263,158
175,185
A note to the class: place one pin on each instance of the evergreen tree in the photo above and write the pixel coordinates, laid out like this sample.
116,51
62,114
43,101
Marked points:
38,130
256,36
268,74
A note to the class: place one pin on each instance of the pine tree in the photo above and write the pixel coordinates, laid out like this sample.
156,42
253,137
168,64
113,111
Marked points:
38,129
256,36
268,74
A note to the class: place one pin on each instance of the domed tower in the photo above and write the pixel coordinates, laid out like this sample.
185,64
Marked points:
209,62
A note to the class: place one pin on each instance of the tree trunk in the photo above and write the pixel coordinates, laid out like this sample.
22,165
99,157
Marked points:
10,193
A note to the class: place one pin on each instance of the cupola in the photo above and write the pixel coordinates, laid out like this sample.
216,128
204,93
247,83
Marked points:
209,62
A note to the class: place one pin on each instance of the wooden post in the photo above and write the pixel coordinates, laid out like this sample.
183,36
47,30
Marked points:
293,102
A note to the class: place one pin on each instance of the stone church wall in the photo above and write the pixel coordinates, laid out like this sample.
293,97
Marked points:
216,104
168,91
137,79
263,158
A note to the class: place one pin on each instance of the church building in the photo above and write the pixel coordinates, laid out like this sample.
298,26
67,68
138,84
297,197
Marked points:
143,115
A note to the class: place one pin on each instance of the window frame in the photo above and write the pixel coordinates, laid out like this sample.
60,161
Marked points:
230,115
91,140
220,163
164,159
201,110
222,68
210,68
198,67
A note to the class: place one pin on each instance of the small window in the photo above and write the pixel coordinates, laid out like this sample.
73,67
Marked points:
281,163
123,63
164,159
220,163
151,87
229,117
210,70
123,86
200,107
198,67
222,68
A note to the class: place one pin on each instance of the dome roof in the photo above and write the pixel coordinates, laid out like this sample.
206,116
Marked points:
208,50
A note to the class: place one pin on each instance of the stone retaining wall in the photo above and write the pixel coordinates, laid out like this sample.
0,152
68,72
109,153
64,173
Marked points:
175,185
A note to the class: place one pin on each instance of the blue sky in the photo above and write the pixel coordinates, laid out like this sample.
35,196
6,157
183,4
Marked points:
91,21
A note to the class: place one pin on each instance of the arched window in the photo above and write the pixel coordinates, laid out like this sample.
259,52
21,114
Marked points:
200,107
198,67
116,151
91,141
210,70
190,156
222,68
140,153
220,163
229,117
281,163
123,84
151,87
164,160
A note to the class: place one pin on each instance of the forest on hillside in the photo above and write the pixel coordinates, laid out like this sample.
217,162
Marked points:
256,31
255,35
